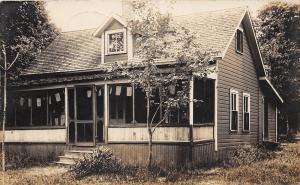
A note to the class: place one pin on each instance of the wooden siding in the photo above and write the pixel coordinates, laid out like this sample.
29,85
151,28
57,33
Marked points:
203,133
37,149
140,134
272,122
39,136
237,71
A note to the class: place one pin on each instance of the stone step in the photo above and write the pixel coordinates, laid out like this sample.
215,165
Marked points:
70,156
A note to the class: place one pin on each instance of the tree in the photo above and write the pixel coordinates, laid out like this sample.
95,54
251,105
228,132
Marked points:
160,38
278,35
25,29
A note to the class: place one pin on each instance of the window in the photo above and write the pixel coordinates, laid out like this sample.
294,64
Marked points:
246,112
204,91
234,102
239,41
37,108
115,41
120,104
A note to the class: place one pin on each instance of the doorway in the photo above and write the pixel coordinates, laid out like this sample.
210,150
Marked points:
86,115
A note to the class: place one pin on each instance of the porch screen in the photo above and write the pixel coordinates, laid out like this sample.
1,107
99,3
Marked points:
120,103
36,108
204,92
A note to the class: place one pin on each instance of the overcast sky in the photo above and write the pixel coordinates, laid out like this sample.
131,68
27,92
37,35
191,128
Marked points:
81,14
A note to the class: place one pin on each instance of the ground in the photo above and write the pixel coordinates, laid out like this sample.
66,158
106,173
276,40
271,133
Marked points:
283,169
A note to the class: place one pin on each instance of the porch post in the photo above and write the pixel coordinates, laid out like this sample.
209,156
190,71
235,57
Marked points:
106,113
67,114
191,120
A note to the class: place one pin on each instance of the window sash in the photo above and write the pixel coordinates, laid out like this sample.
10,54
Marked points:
234,95
239,41
246,112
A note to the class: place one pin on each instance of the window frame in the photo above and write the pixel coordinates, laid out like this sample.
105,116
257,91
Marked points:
249,110
241,51
233,91
109,32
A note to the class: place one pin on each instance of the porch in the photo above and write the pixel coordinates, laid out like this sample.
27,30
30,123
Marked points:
110,112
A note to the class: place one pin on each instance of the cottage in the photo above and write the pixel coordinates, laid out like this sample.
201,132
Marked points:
63,101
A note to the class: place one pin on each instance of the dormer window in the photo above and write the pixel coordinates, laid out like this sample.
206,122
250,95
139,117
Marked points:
239,41
115,42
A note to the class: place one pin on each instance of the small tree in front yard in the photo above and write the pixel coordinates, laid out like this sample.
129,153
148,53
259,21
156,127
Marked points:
158,38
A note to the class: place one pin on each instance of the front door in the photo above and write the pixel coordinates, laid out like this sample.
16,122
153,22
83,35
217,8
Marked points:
84,115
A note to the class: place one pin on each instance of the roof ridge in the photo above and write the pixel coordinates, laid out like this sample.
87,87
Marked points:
219,10
85,29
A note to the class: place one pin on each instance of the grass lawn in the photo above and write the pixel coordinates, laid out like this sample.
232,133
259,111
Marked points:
283,169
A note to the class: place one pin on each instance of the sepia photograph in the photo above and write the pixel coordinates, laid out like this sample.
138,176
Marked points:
200,92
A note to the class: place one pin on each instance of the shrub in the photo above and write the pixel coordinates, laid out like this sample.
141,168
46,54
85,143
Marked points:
247,154
23,159
100,162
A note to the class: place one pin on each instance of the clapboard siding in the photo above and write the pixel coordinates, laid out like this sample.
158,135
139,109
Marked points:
237,71
272,122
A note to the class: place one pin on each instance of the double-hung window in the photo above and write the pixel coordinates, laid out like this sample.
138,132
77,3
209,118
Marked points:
246,112
234,102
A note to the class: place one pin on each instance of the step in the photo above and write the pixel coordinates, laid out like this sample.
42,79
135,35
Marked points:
67,160
75,153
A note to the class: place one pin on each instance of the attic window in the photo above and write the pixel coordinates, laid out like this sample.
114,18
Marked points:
115,41
239,41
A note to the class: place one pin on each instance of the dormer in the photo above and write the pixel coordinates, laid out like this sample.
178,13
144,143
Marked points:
116,40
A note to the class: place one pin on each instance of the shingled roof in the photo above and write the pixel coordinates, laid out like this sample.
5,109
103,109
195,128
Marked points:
80,50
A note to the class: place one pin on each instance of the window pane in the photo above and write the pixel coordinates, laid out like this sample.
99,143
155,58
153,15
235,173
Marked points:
234,120
56,103
204,108
39,108
246,121
140,106
120,103
71,103
84,103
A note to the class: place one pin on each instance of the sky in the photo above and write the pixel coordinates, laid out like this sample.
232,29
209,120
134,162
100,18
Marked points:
71,15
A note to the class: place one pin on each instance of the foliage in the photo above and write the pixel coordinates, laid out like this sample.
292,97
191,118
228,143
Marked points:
101,161
17,160
247,154
283,169
25,28
160,39
278,35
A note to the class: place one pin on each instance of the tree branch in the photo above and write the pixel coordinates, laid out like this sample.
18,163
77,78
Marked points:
161,121
154,115
13,61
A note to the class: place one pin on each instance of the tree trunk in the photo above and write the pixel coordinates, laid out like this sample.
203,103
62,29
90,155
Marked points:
4,119
149,132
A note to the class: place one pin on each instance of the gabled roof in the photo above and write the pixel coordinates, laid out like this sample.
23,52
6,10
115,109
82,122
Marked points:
81,50
70,51
215,29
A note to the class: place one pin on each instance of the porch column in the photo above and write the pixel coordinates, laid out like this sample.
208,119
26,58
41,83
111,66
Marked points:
67,114
191,120
106,113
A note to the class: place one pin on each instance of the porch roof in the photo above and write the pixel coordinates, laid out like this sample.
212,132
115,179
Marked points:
81,50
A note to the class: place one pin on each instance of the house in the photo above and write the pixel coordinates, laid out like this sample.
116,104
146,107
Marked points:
64,101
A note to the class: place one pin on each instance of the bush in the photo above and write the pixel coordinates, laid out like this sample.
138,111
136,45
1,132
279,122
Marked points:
100,162
284,169
247,154
16,160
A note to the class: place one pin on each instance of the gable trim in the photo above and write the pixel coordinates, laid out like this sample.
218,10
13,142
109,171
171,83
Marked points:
107,22
272,87
233,35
